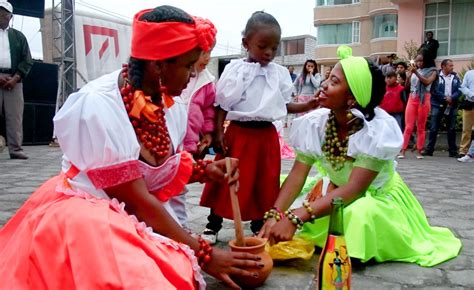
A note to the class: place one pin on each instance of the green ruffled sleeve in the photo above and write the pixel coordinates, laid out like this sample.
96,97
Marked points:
371,163
304,158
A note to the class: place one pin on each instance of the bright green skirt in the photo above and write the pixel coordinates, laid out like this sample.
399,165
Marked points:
389,224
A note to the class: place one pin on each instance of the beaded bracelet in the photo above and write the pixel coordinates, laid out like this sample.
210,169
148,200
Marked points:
274,212
204,254
310,210
199,168
294,219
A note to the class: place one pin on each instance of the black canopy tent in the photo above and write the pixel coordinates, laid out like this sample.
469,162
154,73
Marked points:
32,8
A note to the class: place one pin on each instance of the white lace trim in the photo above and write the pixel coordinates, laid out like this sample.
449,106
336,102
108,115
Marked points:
143,230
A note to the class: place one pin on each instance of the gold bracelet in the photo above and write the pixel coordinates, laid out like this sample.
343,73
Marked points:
272,213
310,210
294,219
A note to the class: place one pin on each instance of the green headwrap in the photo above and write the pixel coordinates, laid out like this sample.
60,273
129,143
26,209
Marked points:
358,76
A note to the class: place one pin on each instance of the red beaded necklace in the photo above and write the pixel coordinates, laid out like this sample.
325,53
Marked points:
147,118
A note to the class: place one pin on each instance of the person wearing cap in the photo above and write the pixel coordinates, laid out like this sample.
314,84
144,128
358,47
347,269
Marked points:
388,67
15,63
105,221
354,143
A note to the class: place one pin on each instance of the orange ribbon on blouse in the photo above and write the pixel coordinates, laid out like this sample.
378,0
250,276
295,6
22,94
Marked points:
142,105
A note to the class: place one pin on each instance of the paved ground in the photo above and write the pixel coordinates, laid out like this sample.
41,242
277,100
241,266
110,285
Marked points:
443,185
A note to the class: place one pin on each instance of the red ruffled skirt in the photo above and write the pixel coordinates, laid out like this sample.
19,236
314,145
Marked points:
258,150
60,240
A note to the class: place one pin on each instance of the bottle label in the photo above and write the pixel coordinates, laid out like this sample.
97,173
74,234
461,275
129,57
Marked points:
336,265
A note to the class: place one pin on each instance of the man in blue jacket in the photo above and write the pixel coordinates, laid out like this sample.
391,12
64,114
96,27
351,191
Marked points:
444,104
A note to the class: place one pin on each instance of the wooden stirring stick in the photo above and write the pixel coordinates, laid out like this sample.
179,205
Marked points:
239,232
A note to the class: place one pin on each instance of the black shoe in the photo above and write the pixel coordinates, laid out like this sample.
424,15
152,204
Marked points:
460,155
18,155
209,236
427,153
453,154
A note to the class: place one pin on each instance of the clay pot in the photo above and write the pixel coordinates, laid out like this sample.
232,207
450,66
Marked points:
256,246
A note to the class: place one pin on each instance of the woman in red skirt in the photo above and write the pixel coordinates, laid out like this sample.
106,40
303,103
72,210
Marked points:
251,93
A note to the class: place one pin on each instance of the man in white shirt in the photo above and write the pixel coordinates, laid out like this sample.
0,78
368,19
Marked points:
467,88
15,63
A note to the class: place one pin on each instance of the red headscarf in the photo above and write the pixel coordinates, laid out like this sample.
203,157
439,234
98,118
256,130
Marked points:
163,40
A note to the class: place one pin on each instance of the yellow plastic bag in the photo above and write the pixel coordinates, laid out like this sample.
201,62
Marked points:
296,248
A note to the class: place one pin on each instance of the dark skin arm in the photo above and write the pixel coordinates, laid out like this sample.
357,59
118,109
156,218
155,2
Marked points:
294,108
359,181
424,80
148,209
219,144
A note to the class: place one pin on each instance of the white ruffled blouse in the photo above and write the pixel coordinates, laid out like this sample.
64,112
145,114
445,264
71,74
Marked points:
374,146
251,92
96,136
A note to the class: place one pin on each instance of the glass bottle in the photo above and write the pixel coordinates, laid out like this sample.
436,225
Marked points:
334,270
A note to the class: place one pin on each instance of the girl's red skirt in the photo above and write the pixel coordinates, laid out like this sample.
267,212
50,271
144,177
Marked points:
256,146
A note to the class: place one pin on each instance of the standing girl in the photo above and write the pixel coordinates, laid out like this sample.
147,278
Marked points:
251,93
199,96
308,82
421,75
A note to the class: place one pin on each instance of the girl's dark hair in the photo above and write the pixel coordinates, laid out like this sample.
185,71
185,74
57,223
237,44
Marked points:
259,18
402,75
378,91
305,72
163,13
428,60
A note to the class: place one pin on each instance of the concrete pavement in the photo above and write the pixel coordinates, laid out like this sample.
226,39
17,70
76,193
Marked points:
443,186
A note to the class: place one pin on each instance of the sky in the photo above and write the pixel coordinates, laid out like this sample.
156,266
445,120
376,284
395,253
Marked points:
230,17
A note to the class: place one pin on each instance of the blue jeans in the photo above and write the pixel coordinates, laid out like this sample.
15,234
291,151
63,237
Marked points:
437,114
398,117
471,150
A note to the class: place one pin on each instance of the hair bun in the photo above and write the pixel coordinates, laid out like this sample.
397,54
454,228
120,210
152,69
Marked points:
344,51
205,32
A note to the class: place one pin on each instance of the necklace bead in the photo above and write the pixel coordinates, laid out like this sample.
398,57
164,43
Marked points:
153,135
335,150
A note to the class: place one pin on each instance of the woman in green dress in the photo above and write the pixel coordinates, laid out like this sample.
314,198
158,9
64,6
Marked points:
354,143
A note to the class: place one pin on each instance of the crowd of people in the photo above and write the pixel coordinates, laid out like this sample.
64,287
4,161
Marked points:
133,139
419,92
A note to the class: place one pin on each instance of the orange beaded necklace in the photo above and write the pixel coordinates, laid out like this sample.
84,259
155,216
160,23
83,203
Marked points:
147,118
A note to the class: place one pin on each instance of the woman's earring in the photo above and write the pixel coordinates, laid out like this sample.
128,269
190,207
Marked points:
349,113
163,89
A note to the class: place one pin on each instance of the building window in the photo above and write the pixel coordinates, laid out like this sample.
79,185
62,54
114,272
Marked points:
355,31
437,21
451,23
294,46
335,2
385,26
344,33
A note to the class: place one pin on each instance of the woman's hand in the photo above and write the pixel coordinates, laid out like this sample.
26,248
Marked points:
267,226
282,231
217,171
412,68
205,142
225,263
